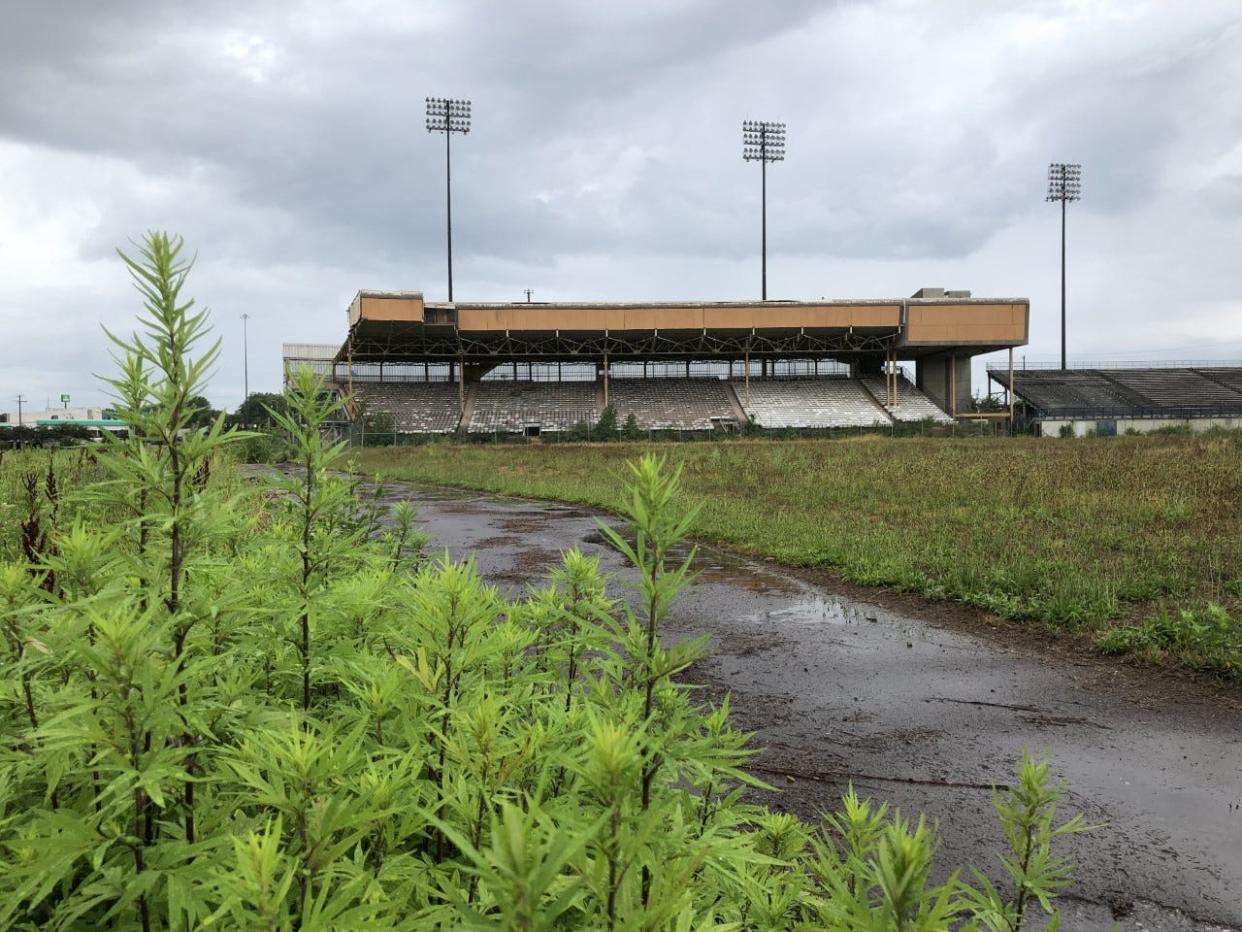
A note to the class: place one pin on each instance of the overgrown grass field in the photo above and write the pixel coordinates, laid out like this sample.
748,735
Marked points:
1134,542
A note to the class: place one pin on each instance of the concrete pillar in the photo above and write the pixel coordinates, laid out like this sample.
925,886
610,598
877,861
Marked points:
936,377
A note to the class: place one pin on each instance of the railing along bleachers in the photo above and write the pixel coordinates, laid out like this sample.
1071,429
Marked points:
912,405
415,407
811,403
672,404
512,407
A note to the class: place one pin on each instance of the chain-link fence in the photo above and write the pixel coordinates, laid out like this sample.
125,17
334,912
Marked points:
359,436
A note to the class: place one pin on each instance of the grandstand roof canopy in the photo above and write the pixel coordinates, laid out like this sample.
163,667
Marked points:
402,327
1130,392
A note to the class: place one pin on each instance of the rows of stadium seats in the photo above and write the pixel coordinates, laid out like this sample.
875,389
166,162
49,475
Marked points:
1174,388
912,404
1052,390
1230,377
672,404
415,407
811,403
1117,392
511,407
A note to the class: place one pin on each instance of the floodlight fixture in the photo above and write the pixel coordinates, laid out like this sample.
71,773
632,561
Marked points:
763,141
1064,185
448,115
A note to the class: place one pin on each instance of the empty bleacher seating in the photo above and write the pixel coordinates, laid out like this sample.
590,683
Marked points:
673,404
1174,388
912,404
415,407
1128,392
811,403
1221,376
1056,391
513,407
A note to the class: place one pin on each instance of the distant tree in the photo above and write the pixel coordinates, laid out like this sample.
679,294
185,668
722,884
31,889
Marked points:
253,412
631,430
204,414
606,427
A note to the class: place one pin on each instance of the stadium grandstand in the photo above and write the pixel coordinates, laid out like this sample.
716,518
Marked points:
529,369
1110,398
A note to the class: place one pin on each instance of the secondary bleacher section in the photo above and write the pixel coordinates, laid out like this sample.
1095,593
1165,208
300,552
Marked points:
912,405
415,407
811,403
1128,392
515,407
673,404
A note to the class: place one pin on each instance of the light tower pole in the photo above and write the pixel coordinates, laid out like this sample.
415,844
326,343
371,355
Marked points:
763,142
245,357
1064,185
448,116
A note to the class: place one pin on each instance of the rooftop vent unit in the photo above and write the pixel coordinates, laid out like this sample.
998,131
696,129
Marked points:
939,293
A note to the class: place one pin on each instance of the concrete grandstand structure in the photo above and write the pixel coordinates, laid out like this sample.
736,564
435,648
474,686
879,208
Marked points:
535,368
1111,398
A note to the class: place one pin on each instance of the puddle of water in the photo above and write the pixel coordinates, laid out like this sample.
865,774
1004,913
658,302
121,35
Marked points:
819,610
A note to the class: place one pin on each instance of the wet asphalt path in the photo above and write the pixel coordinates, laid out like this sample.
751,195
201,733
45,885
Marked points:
928,717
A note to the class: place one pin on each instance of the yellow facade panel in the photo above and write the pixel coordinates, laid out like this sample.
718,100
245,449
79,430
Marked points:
384,308
966,323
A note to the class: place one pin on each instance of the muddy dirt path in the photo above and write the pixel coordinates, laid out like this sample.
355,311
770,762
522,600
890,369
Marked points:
929,714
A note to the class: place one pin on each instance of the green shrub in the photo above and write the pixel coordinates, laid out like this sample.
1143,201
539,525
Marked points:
1209,639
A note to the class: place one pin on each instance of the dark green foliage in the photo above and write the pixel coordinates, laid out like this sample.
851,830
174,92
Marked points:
256,411
606,426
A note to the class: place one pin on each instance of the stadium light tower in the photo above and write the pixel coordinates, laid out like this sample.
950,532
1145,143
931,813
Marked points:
246,356
1064,185
763,142
448,116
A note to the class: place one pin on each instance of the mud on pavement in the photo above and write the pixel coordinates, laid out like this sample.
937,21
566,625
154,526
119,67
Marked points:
928,714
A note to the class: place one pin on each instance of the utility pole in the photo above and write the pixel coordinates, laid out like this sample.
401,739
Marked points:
1064,185
21,400
528,294
763,142
245,357
448,116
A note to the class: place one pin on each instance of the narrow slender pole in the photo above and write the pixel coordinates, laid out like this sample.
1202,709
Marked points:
245,356
21,400
448,200
1062,283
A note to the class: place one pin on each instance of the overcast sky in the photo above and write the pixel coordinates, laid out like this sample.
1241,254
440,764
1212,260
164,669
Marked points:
285,141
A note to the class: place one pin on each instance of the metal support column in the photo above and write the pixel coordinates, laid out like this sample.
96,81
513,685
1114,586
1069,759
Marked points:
605,380
746,377
461,387
1011,389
